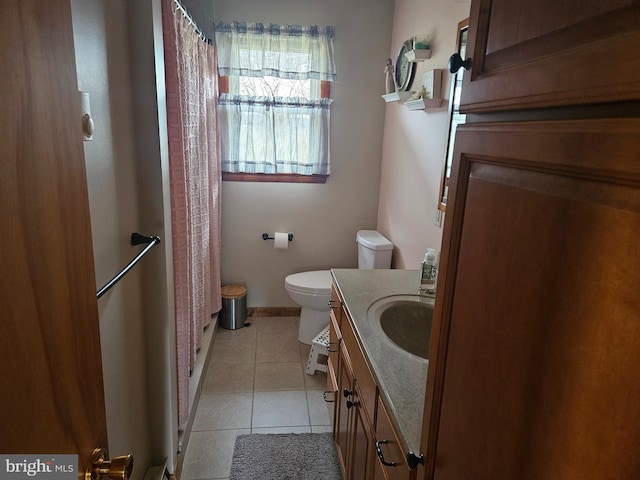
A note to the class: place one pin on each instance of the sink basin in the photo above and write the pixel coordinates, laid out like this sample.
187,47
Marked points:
405,320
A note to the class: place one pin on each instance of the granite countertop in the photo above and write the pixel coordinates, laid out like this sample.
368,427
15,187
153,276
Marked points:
402,377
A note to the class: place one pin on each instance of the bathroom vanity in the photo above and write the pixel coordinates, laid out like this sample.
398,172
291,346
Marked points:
376,386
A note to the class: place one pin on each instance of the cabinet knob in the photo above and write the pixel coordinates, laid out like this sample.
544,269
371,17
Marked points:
351,404
456,61
334,304
324,395
346,392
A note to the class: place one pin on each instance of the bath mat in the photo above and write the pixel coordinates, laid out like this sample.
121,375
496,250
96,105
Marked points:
285,456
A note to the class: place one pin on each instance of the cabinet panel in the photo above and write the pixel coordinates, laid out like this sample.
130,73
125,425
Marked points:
363,442
343,415
532,54
336,306
366,384
335,337
539,339
331,394
390,446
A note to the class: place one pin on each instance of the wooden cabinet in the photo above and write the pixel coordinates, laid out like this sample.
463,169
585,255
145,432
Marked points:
335,337
357,407
352,422
536,335
531,54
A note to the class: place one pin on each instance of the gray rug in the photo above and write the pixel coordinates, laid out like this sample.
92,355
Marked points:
288,456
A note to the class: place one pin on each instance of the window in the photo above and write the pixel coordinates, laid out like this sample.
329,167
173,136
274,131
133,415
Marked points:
274,105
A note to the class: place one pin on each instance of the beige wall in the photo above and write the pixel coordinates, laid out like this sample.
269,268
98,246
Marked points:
415,141
102,63
119,60
323,218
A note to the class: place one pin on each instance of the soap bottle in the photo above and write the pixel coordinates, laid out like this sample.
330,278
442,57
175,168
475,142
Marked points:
428,272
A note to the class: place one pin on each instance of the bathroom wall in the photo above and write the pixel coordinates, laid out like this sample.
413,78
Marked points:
323,218
119,60
101,48
415,141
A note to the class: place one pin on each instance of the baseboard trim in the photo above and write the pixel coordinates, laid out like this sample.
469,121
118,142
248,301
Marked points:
274,311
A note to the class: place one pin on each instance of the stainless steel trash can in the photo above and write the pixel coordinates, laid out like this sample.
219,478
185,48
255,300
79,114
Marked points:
234,307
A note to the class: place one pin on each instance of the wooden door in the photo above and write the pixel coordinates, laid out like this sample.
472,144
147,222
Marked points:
362,457
344,417
536,336
51,375
540,331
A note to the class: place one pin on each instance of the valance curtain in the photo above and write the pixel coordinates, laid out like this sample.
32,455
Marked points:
274,134
290,51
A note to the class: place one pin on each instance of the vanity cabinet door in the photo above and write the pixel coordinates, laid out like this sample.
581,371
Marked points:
390,449
537,316
333,363
335,340
364,378
343,418
541,53
353,431
363,445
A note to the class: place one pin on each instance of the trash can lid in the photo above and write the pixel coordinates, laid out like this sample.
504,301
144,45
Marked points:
233,291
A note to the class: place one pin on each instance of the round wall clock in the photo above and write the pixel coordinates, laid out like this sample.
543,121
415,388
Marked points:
404,68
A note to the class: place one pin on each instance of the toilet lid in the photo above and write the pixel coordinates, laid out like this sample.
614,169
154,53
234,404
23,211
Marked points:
318,282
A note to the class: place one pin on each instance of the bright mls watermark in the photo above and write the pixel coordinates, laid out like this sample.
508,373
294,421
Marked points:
38,467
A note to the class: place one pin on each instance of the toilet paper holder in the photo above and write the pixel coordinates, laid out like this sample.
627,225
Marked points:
265,236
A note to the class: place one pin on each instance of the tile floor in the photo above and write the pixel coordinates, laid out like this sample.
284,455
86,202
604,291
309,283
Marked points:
255,383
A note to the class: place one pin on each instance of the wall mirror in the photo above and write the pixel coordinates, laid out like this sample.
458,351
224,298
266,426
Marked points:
455,117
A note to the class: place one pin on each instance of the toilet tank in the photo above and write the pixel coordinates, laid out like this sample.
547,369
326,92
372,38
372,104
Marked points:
374,250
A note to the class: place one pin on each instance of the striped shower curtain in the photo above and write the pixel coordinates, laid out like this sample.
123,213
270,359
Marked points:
191,80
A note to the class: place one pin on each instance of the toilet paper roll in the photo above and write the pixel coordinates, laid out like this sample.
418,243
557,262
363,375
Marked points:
281,240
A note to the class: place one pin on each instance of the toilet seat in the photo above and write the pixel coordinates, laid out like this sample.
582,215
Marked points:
317,282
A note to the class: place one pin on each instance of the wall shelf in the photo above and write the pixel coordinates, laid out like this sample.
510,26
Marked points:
397,96
432,83
418,55
422,103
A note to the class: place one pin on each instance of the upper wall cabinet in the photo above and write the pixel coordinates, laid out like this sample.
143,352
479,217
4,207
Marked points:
549,53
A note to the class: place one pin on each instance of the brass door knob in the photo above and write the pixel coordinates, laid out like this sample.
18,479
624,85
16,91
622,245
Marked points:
119,468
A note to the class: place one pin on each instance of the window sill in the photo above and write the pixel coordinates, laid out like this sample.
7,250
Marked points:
273,177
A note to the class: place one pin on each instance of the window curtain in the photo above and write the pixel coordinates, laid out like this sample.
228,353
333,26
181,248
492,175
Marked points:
191,82
275,134
290,51
297,129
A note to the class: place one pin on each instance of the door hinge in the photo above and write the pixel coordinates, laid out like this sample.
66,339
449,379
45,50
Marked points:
413,460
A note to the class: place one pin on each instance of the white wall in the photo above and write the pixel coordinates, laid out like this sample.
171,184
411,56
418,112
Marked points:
323,218
415,141
102,63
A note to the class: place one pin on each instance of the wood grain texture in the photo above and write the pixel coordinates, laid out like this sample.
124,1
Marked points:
53,399
538,338
572,53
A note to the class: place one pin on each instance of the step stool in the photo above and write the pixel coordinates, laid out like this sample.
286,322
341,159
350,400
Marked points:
319,346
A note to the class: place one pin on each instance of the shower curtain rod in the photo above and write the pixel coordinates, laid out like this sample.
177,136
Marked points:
193,23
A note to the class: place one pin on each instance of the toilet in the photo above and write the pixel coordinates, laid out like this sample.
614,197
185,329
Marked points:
312,290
